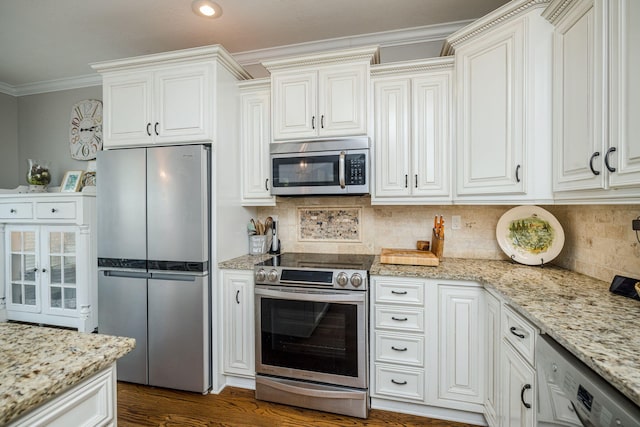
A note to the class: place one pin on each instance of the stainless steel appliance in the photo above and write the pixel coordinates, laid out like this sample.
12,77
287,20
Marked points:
153,260
312,331
326,167
571,394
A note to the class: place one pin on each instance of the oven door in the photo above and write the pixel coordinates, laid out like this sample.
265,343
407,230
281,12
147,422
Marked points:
312,334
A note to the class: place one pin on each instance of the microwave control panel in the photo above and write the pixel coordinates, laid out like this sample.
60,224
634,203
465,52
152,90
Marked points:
356,169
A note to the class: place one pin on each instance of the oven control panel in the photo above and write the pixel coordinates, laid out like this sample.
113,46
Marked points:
346,279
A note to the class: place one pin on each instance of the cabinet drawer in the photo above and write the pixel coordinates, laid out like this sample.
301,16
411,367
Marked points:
56,210
397,348
405,383
400,319
520,333
16,210
400,292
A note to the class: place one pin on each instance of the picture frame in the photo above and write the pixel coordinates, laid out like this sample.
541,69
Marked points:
71,182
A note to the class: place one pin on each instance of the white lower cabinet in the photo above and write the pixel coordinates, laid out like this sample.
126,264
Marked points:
90,403
518,404
238,323
427,347
492,389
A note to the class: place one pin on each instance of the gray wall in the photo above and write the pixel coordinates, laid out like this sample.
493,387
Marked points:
43,129
8,141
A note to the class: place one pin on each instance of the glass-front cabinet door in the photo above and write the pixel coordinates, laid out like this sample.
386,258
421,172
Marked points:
22,249
60,279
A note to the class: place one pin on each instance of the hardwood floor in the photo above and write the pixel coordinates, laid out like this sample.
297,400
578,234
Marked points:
149,406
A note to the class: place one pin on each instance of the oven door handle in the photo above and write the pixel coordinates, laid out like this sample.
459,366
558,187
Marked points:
332,394
312,296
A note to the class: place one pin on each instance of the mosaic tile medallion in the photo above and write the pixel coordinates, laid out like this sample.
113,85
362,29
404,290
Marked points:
328,224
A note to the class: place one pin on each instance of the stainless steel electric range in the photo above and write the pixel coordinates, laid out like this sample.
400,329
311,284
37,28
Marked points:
312,331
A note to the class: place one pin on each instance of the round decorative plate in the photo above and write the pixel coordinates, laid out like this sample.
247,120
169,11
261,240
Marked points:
530,235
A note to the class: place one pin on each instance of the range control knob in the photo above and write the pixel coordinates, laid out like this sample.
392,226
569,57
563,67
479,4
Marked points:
261,275
272,276
356,280
342,279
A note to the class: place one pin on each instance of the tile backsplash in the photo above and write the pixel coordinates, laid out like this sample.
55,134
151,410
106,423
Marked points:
599,241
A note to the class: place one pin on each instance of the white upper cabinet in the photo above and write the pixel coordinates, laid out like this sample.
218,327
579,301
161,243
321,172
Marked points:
164,98
323,95
596,155
412,110
503,87
255,136
624,86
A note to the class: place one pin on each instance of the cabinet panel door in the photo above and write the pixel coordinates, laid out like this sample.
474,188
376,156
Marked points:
60,248
577,102
294,105
343,101
22,248
518,387
431,98
239,323
127,109
493,335
625,90
490,77
182,109
461,357
255,136
392,144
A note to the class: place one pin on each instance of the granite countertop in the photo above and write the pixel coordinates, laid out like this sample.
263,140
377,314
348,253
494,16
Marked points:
576,310
37,363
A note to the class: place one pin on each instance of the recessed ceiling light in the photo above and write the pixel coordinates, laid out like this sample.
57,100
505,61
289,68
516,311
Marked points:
206,8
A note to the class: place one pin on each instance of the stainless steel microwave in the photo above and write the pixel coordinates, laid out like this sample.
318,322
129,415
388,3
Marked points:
325,167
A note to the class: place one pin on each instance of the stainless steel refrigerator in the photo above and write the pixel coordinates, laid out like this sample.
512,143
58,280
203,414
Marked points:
154,281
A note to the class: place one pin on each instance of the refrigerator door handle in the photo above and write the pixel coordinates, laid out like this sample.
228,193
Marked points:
131,274
176,277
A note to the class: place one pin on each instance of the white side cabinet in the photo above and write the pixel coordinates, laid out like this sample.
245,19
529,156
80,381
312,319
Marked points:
493,338
238,323
255,137
503,102
165,98
323,95
412,110
50,259
596,150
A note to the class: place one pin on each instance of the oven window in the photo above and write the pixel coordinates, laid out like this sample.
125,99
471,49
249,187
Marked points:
310,336
306,171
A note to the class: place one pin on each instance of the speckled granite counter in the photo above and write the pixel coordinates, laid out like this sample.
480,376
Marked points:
601,329
245,262
37,363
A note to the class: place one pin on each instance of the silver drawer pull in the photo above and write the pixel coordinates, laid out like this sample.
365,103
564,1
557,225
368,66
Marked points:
513,331
399,319
399,292
398,349
398,382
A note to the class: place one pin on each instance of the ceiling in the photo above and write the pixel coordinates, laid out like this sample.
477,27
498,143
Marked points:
44,40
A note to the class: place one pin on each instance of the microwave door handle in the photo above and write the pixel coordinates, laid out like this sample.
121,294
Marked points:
341,167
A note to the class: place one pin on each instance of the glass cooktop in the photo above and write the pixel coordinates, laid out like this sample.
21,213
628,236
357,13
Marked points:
316,261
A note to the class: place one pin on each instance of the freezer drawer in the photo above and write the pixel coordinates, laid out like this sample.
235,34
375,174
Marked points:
179,333
122,299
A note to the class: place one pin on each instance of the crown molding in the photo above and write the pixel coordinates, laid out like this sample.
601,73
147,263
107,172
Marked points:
407,36
413,66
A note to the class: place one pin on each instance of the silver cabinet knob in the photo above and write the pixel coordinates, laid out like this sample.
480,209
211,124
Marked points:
272,276
356,280
342,279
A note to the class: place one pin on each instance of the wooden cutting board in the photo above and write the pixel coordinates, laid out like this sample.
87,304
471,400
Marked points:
408,257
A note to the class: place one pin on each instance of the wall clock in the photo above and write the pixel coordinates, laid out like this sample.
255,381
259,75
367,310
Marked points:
85,129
